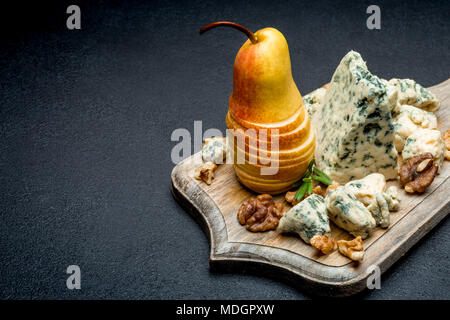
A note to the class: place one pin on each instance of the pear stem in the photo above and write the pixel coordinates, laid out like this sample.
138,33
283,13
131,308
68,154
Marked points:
236,26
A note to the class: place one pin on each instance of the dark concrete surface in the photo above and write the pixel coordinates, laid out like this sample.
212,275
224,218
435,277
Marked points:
86,118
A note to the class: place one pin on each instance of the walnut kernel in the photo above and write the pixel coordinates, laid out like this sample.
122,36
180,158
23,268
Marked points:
205,172
260,213
416,174
323,243
331,187
423,165
447,144
353,249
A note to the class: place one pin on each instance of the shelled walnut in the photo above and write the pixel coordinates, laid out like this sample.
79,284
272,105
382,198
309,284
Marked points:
331,187
323,243
205,172
353,249
290,195
418,173
447,144
260,213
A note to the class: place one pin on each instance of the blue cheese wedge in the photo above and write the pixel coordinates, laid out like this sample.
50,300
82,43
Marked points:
348,213
422,141
412,93
313,100
408,120
214,150
354,127
308,218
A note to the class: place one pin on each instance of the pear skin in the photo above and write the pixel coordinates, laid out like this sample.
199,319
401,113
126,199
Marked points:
286,140
263,88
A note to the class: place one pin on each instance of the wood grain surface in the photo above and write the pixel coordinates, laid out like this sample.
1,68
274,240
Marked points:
281,256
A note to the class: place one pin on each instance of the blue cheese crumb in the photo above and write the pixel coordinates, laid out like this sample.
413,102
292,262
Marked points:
214,150
308,218
410,119
423,141
412,93
348,213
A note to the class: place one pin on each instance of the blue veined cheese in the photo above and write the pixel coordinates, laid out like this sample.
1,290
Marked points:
371,192
368,191
422,141
313,100
382,218
348,213
354,128
365,189
214,150
408,120
392,94
391,196
385,203
308,218
412,93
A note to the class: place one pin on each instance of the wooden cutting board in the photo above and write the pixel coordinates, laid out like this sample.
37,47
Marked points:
234,249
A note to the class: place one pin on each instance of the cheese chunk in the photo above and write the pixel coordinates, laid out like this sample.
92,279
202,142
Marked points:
408,120
422,141
313,100
214,150
381,215
392,94
371,192
391,196
412,93
308,218
348,213
354,127
366,189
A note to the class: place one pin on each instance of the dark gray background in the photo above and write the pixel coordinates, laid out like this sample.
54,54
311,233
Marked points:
86,118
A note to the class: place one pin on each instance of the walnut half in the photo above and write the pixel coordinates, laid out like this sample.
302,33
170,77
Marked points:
323,243
418,173
353,249
260,213
205,172
447,144
331,187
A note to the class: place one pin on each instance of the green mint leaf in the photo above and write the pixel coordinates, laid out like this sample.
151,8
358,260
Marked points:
320,173
310,187
301,192
324,180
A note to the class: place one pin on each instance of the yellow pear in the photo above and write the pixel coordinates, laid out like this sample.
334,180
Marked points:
265,97
263,88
